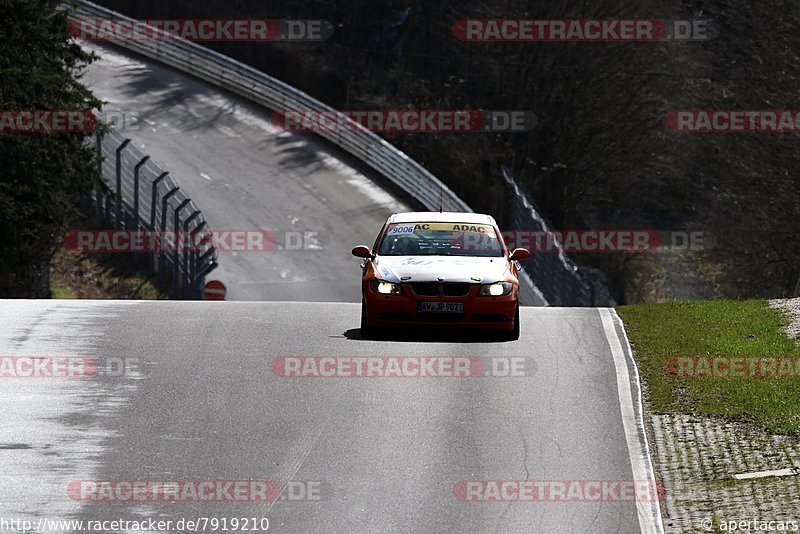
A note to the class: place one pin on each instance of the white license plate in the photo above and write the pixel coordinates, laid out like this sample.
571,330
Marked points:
440,307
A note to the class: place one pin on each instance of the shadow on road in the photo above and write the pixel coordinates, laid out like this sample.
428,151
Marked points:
429,335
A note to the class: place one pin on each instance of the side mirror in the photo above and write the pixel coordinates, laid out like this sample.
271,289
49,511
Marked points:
362,251
520,254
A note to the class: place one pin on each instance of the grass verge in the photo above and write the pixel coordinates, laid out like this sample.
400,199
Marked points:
100,276
659,332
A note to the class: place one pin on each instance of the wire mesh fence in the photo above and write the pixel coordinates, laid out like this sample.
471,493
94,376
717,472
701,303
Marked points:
144,200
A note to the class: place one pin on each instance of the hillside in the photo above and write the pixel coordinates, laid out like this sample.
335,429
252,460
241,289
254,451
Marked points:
600,156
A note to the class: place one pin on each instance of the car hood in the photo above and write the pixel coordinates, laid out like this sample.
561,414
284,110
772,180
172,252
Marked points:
447,268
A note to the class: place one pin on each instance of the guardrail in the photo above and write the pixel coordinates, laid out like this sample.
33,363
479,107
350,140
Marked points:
263,89
145,198
397,167
564,283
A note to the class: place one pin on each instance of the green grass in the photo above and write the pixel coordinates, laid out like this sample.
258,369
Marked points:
59,291
147,290
715,328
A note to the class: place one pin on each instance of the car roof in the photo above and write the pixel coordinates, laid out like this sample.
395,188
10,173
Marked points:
447,216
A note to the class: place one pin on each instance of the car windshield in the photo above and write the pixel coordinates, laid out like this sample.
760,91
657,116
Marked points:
441,239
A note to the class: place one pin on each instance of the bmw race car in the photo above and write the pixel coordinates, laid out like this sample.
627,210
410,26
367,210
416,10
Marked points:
450,269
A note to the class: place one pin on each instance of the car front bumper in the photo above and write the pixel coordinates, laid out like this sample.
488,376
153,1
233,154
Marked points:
398,311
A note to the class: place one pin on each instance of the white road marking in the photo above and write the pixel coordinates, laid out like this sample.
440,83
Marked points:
296,458
649,513
790,472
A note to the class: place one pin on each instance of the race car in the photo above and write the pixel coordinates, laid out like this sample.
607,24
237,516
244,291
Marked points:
449,269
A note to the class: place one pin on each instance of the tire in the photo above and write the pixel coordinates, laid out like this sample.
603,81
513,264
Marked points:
367,331
513,334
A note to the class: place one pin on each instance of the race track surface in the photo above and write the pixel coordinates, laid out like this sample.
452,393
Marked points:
200,399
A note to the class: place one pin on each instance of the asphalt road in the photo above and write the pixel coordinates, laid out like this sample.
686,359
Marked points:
246,175
200,401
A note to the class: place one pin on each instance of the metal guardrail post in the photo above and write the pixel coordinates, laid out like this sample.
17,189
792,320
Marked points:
195,264
98,196
108,208
99,145
203,226
202,260
136,170
98,204
201,278
188,271
153,263
154,199
119,150
207,269
176,278
201,272
161,254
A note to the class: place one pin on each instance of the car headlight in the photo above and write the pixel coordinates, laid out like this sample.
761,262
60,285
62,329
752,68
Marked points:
386,288
495,290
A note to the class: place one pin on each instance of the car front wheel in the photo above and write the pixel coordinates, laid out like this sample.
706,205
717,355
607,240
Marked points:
513,334
367,331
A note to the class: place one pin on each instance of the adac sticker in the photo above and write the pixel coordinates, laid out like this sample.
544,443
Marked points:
471,228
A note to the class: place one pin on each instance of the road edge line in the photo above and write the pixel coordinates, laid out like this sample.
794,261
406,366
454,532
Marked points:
649,513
